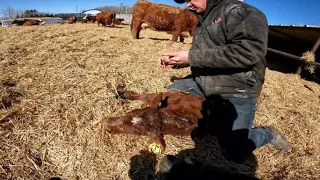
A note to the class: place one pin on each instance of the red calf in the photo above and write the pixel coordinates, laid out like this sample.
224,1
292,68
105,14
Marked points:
169,113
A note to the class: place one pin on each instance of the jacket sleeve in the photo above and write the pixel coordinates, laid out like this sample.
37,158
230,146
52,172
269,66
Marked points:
247,38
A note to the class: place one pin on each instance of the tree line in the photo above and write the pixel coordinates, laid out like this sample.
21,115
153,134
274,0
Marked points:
10,12
122,9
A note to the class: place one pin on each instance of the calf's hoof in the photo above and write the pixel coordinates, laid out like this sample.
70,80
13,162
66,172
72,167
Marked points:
122,94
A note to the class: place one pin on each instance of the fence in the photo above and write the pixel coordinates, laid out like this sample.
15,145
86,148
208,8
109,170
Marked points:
127,17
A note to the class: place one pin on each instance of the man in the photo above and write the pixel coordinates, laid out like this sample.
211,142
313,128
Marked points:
227,58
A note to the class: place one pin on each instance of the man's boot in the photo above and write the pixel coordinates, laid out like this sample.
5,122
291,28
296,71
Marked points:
279,142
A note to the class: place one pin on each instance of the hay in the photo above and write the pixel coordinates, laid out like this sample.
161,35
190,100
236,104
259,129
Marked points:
309,57
62,78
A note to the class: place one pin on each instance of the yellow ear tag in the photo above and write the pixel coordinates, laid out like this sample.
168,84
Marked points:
155,148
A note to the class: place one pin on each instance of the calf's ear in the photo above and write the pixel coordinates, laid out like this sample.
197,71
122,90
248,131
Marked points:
157,100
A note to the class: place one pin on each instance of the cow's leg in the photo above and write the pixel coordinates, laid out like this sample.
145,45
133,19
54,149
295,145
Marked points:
175,35
106,22
112,20
181,38
152,100
136,28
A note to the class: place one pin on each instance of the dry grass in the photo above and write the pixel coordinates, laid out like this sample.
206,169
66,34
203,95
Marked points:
309,57
57,86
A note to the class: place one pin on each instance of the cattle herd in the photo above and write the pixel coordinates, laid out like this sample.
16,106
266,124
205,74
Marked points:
179,22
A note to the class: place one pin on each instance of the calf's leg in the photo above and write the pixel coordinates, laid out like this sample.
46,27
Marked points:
152,100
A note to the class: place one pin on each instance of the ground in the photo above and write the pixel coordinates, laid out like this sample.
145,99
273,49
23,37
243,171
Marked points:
58,85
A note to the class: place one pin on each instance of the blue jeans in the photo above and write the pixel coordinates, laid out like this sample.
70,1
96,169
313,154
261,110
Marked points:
236,135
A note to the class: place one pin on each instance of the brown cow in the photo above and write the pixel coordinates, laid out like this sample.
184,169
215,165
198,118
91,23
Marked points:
84,21
91,18
32,22
106,18
162,17
173,113
18,22
27,22
72,20
64,22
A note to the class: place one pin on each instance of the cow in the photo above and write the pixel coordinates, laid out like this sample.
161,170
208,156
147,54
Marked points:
31,23
106,18
84,21
162,17
92,18
88,18
72,20
183,34
27,22
168,113
18,22
64,22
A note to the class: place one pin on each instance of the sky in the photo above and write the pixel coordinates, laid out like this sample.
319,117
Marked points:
283,12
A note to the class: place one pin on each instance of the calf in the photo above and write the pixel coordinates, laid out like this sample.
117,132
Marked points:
72,20
168,113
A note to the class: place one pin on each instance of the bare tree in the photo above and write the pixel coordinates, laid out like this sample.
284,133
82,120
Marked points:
19,13
9,12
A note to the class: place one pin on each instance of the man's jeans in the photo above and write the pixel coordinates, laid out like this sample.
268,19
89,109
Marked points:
241,138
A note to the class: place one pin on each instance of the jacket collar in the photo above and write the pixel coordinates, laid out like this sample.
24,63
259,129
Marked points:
210,5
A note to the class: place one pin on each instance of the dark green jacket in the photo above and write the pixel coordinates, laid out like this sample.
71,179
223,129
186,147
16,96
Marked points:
228,50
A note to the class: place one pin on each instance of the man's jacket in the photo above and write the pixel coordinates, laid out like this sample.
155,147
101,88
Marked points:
228,50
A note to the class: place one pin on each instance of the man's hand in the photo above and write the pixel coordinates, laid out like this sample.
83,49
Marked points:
170,59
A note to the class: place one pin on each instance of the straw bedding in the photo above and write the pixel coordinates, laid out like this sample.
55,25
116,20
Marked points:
57,85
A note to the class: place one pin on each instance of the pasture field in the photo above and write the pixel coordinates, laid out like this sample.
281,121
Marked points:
58,85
